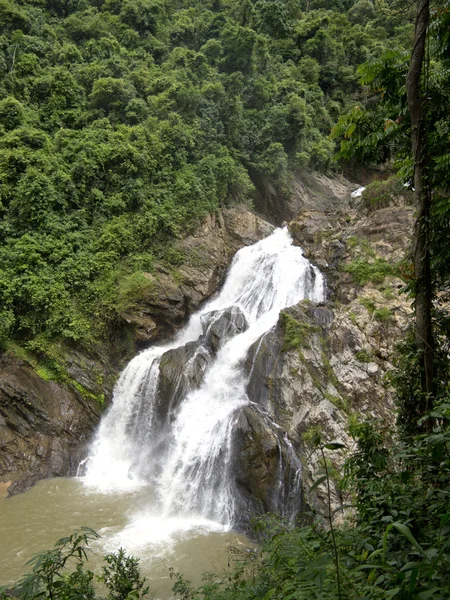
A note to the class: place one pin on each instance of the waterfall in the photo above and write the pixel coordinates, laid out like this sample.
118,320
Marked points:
175,406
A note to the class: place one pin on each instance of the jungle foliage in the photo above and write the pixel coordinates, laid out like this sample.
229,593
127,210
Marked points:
133,120
124,122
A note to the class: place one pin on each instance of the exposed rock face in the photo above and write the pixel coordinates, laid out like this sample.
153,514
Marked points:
206,257
43,426
324,363
334,239
255,465
309,191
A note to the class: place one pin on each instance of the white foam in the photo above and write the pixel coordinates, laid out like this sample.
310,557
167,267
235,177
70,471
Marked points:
158,535
358,193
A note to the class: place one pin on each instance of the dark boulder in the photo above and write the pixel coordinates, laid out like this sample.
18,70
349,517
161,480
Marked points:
220,326
181,370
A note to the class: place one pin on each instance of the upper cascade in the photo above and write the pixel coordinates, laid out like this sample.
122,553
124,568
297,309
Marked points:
175,406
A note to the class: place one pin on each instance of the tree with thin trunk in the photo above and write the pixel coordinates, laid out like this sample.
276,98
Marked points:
422,269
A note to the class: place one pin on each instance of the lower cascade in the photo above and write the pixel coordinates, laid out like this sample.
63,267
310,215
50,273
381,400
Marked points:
175,424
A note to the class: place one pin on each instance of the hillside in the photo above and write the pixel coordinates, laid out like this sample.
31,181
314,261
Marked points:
124,123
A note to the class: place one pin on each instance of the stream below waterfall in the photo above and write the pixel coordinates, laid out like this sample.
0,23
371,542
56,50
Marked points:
164,476
33,521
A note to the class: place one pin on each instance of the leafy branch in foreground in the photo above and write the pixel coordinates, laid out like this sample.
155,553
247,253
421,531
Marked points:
61,574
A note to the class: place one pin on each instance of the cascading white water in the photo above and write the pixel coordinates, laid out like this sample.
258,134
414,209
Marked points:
188,461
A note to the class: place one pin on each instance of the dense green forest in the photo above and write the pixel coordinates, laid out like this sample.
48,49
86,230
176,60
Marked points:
124,122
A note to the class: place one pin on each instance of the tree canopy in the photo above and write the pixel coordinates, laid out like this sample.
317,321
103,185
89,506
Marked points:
124,122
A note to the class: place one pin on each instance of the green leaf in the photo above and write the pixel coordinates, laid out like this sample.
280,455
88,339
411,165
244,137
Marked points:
444,519
427,593
334,446
371,566
269,594
385,538
405,531
414,565
317,483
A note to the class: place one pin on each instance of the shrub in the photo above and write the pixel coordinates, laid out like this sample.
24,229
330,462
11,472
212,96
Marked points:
363,356
380,194
374,270
295,333
11,113
133,289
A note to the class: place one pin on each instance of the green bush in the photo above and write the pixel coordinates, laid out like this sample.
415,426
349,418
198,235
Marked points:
383,314
363,356
295,333
11,113
380,194
374,270
132,289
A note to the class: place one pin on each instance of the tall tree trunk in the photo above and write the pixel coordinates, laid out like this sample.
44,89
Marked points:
422,271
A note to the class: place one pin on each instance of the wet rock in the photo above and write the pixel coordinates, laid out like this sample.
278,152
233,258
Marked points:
267,470
220,326
181,371
255,468
263,365
96,372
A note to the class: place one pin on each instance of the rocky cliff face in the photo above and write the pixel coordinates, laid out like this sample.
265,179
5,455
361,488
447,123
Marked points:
323,365
44,425
309,191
